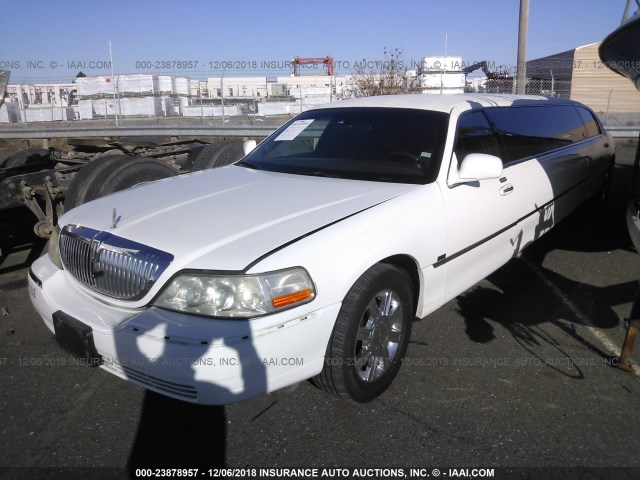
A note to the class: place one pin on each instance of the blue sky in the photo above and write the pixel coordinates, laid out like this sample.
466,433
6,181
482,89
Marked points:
51,41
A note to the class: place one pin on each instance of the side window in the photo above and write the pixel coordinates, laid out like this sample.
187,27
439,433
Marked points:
590,123
529,131
475,136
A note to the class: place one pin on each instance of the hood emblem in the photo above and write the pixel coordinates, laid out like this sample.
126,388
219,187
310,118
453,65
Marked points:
114,219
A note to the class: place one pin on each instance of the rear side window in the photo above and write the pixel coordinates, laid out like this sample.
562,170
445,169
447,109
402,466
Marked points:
475,136
590,123
529,131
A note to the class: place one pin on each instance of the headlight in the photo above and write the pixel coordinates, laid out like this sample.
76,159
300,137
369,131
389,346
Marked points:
237,296
53,247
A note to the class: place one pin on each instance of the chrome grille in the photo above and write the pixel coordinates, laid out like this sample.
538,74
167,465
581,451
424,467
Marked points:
111,265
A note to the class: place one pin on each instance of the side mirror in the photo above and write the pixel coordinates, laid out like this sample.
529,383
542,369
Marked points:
248,146
480,166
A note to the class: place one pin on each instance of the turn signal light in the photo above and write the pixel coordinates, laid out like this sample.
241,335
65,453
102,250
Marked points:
291,298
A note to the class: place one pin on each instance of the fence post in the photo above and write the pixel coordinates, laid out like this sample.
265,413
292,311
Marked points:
117,107
222,95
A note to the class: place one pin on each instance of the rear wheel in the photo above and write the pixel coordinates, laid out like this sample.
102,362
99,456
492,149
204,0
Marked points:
370,336
111,174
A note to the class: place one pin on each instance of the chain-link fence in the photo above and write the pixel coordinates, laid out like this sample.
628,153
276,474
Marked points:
206,103
544,87
219,106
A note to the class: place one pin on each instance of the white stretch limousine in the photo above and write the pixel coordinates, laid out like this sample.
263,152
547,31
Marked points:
311,257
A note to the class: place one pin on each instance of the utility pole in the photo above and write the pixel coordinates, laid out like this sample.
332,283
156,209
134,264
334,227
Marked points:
116,93
521,79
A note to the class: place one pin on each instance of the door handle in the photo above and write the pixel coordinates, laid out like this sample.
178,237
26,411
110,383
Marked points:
506,190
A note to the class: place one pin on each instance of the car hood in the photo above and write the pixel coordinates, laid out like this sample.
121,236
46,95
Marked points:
227,218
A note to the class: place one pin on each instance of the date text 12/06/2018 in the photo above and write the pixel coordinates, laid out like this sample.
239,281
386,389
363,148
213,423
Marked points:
317,472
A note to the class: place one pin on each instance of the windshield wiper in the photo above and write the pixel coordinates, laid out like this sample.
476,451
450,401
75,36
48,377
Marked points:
317,173
252,165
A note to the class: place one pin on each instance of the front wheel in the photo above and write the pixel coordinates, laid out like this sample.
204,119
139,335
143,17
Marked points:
370,336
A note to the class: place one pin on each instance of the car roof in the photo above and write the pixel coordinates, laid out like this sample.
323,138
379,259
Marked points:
447,102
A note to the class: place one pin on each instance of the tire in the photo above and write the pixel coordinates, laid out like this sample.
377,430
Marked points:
111,174
367,345
133,172
86,180
218,154
29,156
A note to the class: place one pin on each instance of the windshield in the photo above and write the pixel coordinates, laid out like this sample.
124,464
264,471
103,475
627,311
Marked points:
380,144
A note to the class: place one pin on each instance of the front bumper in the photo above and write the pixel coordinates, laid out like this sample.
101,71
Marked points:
196,359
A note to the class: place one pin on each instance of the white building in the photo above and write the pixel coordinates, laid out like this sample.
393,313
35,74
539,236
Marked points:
138,85
198,89
307,81
9,113
54,94
441,75
243,87
136,95
478,84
